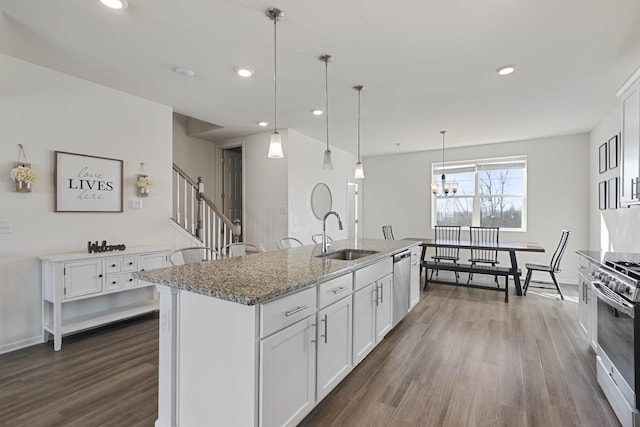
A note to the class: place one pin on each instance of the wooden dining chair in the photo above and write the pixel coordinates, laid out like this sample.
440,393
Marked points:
449,233
552,268
484,235
287,243
387,232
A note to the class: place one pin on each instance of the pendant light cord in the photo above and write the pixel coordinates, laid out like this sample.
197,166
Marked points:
275,76
326,95
359,90
443,132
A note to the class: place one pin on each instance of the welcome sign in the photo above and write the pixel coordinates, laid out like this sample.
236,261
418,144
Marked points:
87,183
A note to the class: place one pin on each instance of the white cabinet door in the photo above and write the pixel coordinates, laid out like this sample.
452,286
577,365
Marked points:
287,374
592,306
414,289
364,321
151,261
383,307
630,159
82,278
583,306
334,345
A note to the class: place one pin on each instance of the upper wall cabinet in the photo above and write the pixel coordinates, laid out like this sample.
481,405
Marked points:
629,93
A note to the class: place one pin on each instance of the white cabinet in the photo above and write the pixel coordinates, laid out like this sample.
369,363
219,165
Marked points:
82,278
287,386
371,308
414,289
84,290
334,345
587,303
630,152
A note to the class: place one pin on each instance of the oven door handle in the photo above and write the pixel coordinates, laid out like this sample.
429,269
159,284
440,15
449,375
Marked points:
625,308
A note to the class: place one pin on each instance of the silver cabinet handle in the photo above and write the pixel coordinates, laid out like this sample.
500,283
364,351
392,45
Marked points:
326,321
381,294
296,310
313,325
338,290
377,296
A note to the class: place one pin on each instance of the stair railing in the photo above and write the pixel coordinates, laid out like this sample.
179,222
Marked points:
198,215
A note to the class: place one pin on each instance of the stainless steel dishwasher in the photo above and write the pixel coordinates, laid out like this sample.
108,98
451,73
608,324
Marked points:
401,283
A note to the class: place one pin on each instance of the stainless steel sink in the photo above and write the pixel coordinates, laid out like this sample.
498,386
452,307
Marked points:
347,254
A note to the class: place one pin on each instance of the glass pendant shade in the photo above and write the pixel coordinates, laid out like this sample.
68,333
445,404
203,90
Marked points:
359,171
434,187
275,146
327,162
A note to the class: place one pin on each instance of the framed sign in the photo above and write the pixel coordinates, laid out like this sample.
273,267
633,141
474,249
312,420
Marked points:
87,183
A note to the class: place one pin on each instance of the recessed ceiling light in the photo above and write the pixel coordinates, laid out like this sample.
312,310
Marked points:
185,72
263,124
506,70
317,112
244,72
115,4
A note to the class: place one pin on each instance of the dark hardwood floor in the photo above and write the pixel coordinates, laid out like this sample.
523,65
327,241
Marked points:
461,358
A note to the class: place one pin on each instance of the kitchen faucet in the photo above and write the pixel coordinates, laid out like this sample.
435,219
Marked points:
324,229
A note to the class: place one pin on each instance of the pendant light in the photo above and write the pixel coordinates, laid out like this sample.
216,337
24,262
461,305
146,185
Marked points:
359,174
275,140
446,186
327,163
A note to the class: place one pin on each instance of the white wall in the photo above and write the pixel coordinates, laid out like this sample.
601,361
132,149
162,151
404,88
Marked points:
397,192
611,229
195,156
305,171
47,111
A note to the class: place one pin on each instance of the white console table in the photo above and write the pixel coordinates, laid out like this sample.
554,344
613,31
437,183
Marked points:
82,290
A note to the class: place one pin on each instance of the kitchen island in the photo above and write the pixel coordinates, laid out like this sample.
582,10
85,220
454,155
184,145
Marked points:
259,340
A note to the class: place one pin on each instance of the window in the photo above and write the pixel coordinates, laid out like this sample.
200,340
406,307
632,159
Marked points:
491,193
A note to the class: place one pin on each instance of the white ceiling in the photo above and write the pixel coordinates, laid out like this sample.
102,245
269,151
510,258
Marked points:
427,65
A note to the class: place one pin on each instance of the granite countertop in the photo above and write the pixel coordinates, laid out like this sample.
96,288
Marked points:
601,256
257,278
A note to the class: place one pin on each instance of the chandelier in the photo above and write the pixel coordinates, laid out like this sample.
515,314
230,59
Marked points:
445,187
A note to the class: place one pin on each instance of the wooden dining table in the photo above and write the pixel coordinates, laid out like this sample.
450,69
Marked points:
511,247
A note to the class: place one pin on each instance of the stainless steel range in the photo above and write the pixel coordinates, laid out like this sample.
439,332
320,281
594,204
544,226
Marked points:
617,283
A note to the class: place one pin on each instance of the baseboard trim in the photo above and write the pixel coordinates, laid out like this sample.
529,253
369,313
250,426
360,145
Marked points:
7,348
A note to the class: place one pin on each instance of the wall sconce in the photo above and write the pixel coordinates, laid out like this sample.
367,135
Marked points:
144,182
22,174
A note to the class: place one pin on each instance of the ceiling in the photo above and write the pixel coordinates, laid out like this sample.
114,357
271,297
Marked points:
426,65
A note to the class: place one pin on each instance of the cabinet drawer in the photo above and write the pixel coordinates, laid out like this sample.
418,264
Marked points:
334,289
130,264
416,252
128,281
113,282
287,310
113,265
370,274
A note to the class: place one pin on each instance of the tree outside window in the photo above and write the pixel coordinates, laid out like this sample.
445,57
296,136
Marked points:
491,193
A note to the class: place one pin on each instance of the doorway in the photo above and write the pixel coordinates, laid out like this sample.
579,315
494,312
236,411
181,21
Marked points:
232,183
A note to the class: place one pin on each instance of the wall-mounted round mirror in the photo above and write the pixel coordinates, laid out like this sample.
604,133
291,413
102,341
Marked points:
321,201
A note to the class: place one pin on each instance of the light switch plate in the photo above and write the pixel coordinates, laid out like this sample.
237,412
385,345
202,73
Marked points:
135,203
6,226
